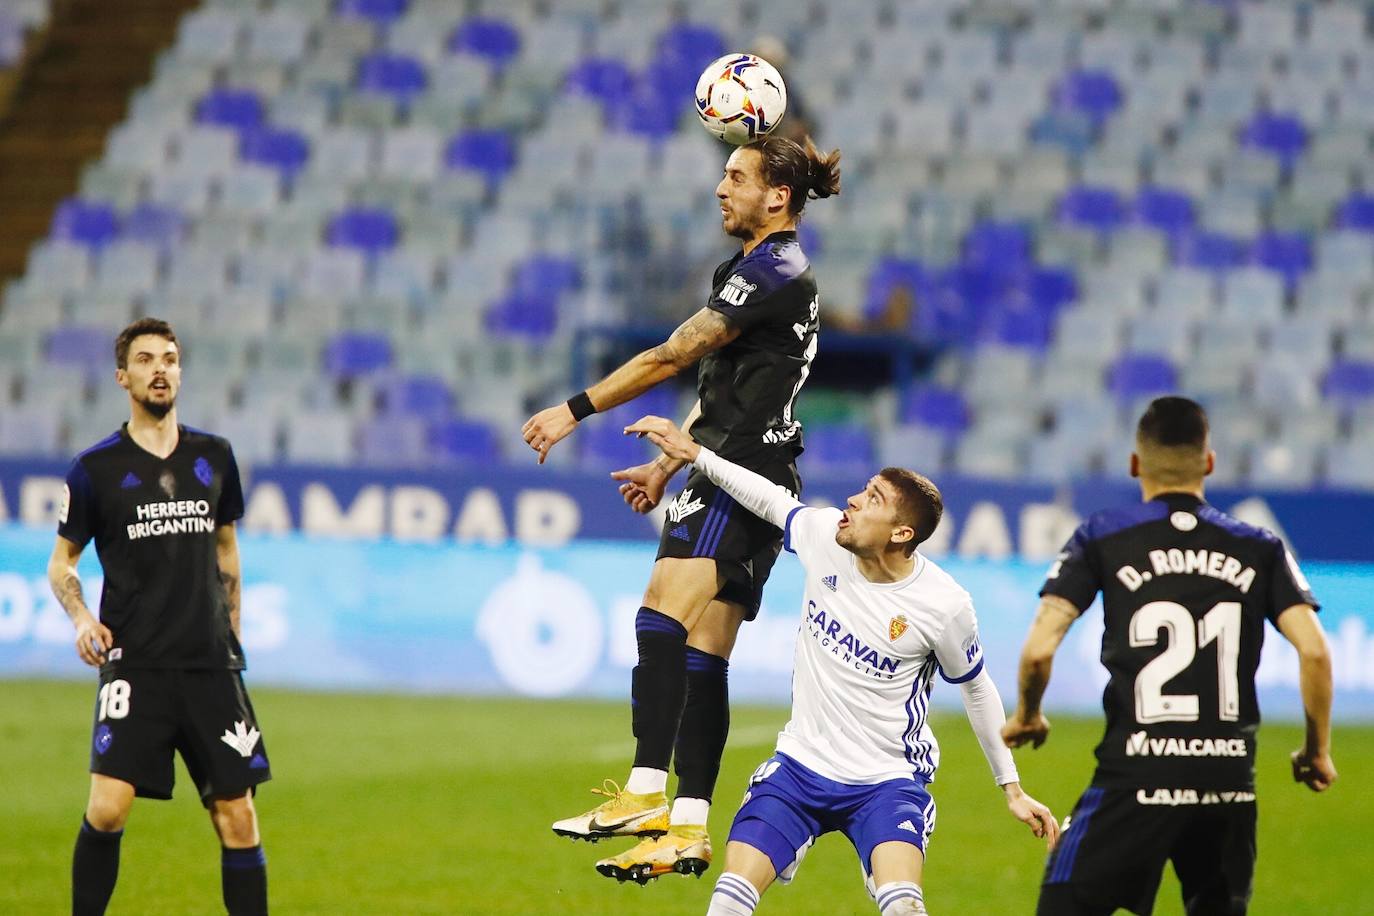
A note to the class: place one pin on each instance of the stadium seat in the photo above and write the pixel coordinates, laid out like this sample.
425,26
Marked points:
490,153
394,76
839,448
88,223
1210,251
1135,376
371,230
530,316
494,40
287,151
940,409
382,12
1280,135
318,437
463,442
238,109
1288,254
1357,212
424,396
356,353
1093,92
85,348
1349,382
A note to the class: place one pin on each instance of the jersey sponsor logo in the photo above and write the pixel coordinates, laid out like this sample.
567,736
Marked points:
829,582
896,627
1174,561
839,642
736,290
780,434
1183,521
178,516
1140,744
64,507
204,473
971,648
242,739
104,737
684,506
1175,797
130,481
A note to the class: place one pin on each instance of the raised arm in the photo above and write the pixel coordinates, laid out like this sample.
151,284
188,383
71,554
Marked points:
1312,764
1052,622
227,554
754,492
704,332
93,638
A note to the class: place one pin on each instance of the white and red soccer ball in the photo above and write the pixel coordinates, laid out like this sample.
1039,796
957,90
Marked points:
740,98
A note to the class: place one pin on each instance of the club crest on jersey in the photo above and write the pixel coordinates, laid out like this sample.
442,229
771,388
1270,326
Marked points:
896,627
829,582
684,506
204,473
737,289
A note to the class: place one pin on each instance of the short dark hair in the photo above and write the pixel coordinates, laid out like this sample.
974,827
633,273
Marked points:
154,326
1173,422
805,171
919,503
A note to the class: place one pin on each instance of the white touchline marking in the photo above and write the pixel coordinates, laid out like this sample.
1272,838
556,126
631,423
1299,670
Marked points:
739,737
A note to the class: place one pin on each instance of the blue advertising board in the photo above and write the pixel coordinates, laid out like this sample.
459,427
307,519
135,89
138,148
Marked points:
558,621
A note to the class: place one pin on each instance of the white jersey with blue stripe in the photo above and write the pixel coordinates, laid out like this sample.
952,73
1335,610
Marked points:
866,656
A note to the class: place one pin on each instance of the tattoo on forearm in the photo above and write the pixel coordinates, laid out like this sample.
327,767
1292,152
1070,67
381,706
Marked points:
705,331
231,594
70,596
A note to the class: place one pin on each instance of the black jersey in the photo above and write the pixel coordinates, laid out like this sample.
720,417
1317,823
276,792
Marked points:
1185,592
154,521
749,387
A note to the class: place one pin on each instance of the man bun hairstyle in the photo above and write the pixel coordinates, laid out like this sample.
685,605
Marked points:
805,171
154,326
919,503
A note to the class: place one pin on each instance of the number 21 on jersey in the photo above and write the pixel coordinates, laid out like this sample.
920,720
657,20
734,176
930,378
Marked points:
1185,637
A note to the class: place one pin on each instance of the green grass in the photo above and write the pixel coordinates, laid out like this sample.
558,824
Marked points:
410,805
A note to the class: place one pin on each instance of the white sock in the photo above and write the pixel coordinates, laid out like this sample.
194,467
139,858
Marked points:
690,811
646,781
733,896
900,898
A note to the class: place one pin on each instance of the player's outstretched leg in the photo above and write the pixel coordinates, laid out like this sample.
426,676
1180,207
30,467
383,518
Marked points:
684,850
623,813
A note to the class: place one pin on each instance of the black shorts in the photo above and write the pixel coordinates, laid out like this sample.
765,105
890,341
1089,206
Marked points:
1114,847
704,521
143,715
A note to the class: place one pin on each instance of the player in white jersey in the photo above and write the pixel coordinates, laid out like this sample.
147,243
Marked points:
879,622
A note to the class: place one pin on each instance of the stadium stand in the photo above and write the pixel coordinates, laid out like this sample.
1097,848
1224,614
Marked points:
403,212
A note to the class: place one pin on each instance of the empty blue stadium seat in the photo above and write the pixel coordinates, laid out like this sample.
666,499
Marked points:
90,223
1349,382
1092,207
490,153
393,441
395,75
1287,253
287,151
153,224
1139,375
1281,135
839,448
1002,247
1166,209
496,40
82,347
1023,328
1093,92
372,229
546,274
526,315
603,78
239,109
889,274
354,353
425,396
942,409
1357,212
382,12
463,441
1210,250
1050,288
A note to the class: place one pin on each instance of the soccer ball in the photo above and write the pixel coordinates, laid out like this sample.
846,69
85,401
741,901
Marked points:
740,98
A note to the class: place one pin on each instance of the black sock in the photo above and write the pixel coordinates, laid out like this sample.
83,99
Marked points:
95,868
705,724
243,877
658,687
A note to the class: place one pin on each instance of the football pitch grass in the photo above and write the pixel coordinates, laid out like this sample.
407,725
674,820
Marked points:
394,804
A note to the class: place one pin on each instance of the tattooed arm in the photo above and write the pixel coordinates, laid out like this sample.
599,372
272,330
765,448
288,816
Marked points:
704,332
227,552
1052,621
93,638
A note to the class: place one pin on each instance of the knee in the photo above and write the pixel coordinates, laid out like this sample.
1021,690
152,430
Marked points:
107,814
235,821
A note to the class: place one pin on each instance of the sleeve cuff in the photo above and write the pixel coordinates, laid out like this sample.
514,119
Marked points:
787,530
966,676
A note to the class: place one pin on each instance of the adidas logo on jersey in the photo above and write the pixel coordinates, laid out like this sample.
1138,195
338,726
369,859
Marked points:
130,481
681,532
907,825
829,582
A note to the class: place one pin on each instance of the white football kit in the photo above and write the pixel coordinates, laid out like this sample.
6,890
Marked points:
867,652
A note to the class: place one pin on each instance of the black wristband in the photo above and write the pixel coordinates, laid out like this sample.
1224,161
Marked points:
581,406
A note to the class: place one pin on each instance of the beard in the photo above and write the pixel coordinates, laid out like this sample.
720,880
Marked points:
157,409
743,227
